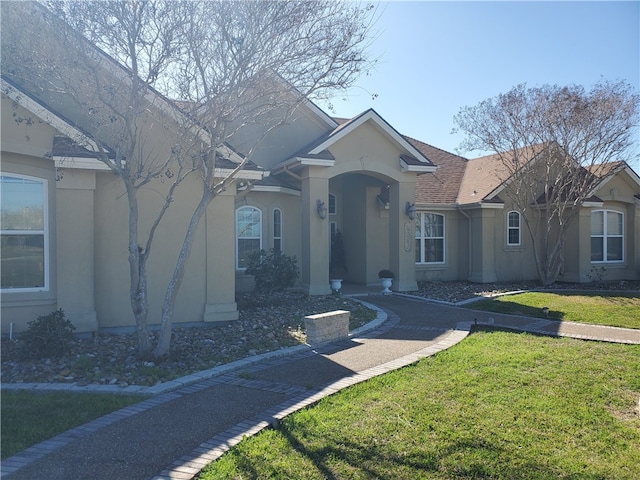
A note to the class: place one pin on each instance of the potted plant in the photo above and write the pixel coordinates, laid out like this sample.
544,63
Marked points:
338,263
387,278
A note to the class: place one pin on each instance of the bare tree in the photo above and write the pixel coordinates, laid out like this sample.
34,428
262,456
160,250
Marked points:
248,68
236,71
556,145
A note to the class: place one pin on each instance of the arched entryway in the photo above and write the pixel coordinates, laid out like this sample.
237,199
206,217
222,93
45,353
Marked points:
360,210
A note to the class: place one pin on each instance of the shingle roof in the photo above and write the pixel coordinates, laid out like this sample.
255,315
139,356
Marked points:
482,176
440,187
485,174
65,147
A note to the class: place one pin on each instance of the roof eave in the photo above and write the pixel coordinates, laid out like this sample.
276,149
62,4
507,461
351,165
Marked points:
406,167
80,163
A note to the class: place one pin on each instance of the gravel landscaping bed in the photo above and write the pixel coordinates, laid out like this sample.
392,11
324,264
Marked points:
454,292
265,324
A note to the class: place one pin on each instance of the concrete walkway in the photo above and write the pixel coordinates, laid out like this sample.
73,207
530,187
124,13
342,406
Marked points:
191,422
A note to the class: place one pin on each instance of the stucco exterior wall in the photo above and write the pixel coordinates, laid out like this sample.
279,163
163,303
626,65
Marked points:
302,128
26,143
75,253
112,269
367,161
513,263
267,202
457,248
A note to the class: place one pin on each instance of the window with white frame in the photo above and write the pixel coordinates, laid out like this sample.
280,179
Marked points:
513,228
332,204
607,236
248,234
429,238
277,229
23,233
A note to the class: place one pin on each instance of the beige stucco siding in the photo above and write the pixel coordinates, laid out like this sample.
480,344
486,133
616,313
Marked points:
367,160
301,129
75,253
512,262
18,307
26,143
112,269
290,207
457,247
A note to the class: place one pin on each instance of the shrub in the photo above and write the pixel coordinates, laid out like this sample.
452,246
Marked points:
272,270
49,336
385,274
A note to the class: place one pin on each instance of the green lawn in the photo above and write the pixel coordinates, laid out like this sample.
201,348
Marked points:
616,310
31,417
498,405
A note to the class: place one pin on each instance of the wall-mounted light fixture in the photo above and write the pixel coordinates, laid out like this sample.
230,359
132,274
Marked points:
410,210
322,209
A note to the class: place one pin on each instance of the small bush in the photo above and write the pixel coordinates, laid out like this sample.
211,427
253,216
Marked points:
272,270
385,274
49,336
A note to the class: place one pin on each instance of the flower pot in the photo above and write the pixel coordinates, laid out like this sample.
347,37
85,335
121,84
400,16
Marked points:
336,284
386,283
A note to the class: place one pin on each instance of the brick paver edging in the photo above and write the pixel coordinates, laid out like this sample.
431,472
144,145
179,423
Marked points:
162,393
187,467
381,318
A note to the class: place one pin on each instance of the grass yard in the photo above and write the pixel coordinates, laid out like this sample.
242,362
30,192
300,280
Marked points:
498,405
616,310
30,417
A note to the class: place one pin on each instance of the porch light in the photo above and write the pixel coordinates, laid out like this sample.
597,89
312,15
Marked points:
322,209
410,210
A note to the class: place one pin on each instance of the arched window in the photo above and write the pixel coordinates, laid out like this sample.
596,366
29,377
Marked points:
248,234
513,228
429,238
23,233
277,229
607,236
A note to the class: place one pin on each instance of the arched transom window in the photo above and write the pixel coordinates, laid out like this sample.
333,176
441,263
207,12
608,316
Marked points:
248,234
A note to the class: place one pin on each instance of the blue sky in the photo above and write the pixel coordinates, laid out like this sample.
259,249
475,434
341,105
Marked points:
437,57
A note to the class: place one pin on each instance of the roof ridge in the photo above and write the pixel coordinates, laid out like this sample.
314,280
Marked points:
411,139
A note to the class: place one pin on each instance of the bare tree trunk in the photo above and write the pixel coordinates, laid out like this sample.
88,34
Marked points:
164,340
138,275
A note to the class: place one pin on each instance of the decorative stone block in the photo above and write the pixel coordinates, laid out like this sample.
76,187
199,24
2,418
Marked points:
327,327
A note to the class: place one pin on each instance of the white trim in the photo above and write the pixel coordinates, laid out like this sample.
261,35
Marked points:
81,163
252,207
244,174
230,154
48,116
335,204
405,167
45,234
481,205
272,189
381,123
420,215
605,236
437,206
518,228
324,117
320,162
621,168
273,232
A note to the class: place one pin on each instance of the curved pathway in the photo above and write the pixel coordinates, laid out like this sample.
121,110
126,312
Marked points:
207,414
